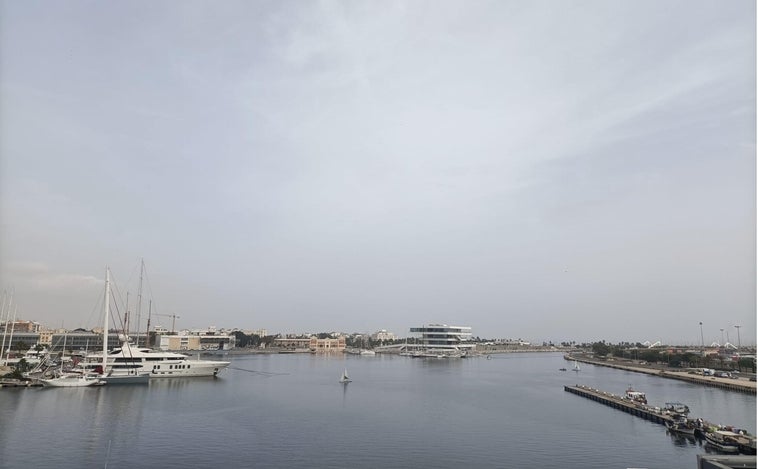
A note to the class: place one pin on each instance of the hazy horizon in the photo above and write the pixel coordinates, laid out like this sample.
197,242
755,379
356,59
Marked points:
541,170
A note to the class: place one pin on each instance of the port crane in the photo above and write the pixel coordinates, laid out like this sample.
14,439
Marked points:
173,319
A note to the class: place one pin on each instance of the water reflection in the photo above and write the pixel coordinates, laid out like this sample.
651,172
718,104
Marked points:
683,440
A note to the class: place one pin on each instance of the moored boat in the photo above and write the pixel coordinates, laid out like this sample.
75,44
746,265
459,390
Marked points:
635,396
72,381
723,440
134,365
676,408
682,426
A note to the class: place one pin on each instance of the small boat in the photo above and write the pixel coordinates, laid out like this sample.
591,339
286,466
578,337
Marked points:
576,366
724,441
562,369
682,426
72,381
344,379
635,396
367,352
676,408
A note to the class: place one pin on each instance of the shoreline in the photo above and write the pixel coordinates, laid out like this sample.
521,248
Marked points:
738,385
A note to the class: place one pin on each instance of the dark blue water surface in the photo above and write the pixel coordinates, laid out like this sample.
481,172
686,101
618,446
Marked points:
290,411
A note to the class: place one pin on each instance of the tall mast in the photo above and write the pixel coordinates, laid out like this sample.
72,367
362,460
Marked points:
7,318
139,297
126,318
149,313
105,321
13,326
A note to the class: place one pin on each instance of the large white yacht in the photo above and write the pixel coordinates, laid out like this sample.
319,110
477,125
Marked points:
130,359
130,364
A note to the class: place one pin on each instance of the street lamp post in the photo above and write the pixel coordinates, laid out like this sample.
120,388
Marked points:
722,336
702,341
739,344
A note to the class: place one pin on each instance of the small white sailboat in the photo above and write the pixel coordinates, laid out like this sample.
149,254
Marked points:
576,366
72,381
344,379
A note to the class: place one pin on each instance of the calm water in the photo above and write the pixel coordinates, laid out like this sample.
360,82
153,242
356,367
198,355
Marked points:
290,411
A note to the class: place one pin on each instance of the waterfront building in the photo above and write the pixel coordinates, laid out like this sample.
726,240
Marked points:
441,338
60,341
327,345
20,325
383,335
292,343
20,340
197,340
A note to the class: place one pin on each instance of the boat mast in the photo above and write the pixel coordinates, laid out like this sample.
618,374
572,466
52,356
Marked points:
147,331
7,317
139,298
105,321
13,326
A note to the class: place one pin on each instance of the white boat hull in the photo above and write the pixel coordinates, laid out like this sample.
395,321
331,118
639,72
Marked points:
72,381
140,378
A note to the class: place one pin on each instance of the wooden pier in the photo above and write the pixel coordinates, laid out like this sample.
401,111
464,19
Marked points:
13,383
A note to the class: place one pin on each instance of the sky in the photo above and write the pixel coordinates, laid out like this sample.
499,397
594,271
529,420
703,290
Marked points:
544,170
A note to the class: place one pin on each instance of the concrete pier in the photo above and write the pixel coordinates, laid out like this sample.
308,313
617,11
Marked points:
617,402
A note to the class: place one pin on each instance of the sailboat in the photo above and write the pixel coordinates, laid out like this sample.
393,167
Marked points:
72,380
131,374
576,366
126,370
132,364
344,379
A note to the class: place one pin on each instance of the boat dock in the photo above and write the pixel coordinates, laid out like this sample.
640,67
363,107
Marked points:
653,414
15,383
617,402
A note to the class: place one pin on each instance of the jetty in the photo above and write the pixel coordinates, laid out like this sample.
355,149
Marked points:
654,414
618,402
17,383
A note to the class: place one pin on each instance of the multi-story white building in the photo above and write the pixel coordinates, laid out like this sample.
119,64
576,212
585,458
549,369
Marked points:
207,339
439,339
383,335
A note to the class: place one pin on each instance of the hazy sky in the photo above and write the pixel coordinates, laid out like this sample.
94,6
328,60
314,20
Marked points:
547,170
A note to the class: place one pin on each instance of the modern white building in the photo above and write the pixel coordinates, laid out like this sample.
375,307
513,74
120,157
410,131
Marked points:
443,339
383,335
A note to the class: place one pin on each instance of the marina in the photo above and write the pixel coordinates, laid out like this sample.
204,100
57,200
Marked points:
290,409
634,402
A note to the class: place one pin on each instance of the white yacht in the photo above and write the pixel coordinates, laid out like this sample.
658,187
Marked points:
129,360
131,364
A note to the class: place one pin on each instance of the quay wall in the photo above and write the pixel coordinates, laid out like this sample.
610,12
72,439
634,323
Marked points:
741,385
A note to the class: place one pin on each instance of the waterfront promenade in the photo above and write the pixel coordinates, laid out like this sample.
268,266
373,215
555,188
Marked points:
739,385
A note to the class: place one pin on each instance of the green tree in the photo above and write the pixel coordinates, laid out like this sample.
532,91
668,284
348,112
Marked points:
747,364
600,349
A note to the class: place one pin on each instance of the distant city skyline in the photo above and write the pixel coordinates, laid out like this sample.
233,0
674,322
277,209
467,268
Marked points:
545,170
